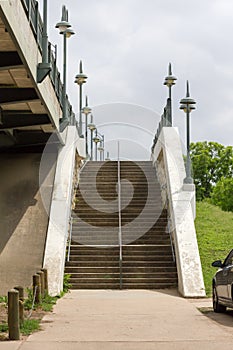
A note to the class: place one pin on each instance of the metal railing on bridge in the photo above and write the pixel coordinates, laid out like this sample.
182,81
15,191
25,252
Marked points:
31,8
166,121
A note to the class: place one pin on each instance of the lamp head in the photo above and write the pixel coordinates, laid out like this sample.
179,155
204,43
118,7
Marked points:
68,32
63,26
170,80
188,101
91,127
86,110
187,108
80,79
96,139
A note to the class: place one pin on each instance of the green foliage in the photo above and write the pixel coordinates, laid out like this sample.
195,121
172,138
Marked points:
29,301
48,303
66,284
3,299
215,237
30,326
3,328
211,161
223,194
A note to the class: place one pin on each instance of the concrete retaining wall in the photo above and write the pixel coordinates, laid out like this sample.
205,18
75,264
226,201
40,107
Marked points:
23,218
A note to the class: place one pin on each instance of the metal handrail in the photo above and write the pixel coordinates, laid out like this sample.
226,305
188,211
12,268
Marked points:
167,205
171,240
71,218
165,121
71,225
70,238
82,168
119,215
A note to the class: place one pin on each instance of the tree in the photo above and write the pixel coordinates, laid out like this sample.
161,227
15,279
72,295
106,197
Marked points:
210,161
222,195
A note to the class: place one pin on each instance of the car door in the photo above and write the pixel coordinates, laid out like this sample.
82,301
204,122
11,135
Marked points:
222,277
221,284
230,274
225,276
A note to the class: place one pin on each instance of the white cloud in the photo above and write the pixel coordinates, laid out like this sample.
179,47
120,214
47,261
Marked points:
126,46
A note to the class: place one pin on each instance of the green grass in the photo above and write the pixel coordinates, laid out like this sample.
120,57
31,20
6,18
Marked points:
3,328
30,326
48,303
66,285
215,238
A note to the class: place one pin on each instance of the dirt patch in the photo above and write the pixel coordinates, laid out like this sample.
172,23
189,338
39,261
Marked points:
36,315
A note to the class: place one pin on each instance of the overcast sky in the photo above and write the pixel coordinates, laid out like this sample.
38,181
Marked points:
126,46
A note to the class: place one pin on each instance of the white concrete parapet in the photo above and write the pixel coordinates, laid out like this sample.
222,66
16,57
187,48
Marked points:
168,159
58,228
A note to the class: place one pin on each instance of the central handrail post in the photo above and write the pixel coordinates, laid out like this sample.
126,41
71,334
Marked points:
119,214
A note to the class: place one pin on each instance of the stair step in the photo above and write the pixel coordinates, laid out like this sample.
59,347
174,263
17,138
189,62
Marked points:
136,249
139,277
130,280
136,259
107,269
124,247
147,260
114,243
127,239
128,264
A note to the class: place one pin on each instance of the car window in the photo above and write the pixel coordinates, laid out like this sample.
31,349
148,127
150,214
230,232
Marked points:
229,259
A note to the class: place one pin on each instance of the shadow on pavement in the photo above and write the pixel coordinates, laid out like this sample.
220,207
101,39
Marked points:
224,319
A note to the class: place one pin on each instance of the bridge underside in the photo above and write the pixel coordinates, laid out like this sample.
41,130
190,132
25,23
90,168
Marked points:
24,120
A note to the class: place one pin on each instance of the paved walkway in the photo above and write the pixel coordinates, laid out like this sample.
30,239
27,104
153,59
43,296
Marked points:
129,320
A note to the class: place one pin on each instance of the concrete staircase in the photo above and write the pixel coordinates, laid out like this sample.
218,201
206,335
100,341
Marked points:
147,254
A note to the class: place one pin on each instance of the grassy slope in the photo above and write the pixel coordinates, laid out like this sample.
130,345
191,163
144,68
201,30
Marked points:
215,237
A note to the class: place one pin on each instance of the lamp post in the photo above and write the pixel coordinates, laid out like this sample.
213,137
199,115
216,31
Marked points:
80,79
187,105
92,128
108,157
96,139
86,110
101,150
67,32
101,147
170,80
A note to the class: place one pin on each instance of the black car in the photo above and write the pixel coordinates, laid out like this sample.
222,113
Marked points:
223,284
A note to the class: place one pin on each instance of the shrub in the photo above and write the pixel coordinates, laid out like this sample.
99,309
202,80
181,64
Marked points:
222,194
